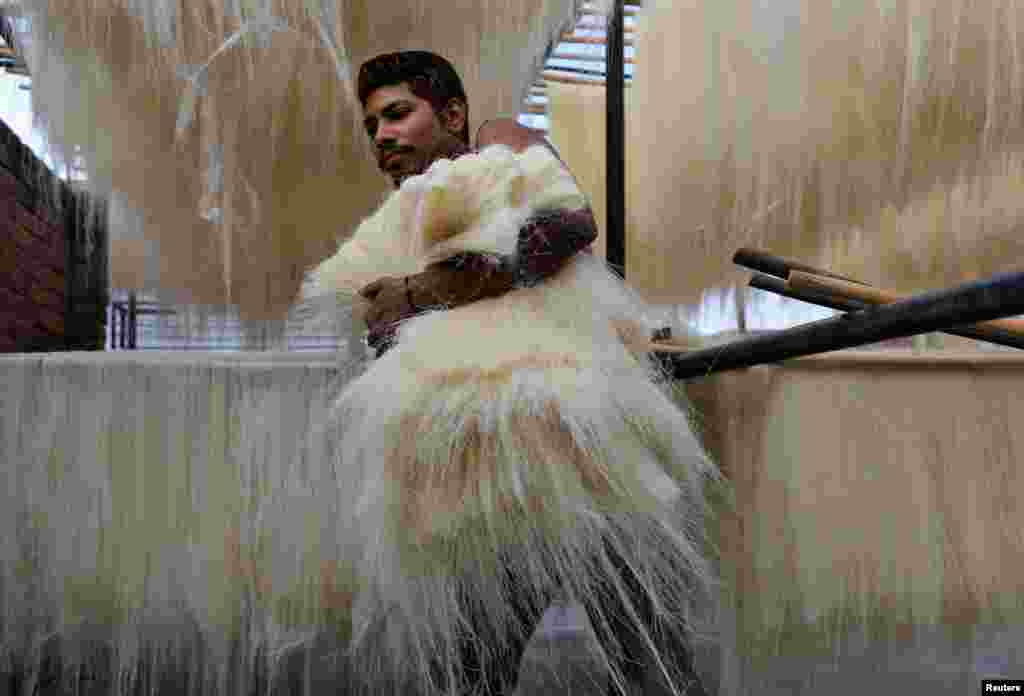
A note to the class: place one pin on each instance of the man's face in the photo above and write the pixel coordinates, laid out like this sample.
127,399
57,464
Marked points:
407,134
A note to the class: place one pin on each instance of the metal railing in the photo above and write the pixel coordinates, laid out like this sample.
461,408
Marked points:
137,322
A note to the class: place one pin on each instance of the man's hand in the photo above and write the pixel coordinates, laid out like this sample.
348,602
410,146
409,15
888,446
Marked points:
388,302
445,285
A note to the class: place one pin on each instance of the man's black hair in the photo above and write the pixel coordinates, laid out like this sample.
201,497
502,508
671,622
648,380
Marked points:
429,76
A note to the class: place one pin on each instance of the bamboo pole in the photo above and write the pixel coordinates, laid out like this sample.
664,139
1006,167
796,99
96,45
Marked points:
843,303
571,38
777,286
779,266
802,280
554,75
996,297
810,284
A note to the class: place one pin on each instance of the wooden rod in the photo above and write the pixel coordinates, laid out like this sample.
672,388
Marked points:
584,57
779,266
993,298
592,22
847,304
801,280
777,286
629,9
592,40
552,75
804,278
597,74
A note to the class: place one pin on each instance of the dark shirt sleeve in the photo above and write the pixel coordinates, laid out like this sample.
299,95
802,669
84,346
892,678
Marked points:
549,239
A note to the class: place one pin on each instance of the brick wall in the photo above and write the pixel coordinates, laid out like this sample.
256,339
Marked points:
53,271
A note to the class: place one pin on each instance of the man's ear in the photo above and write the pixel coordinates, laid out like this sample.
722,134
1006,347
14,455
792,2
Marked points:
453,118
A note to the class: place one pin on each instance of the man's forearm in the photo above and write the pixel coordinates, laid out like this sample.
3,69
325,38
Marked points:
545,244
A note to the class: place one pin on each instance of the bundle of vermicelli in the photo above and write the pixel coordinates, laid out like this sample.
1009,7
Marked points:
508,449
881,139
232,127
155,526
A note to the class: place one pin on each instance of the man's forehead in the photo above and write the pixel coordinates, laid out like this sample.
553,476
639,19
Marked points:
383,97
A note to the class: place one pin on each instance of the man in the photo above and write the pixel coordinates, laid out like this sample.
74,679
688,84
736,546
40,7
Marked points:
416,112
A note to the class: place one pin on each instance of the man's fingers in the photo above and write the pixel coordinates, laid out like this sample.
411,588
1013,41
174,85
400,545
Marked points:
371,291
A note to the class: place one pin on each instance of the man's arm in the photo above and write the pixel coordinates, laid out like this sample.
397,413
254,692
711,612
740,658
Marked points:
548,240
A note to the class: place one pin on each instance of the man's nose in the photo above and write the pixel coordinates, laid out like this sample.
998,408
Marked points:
385,135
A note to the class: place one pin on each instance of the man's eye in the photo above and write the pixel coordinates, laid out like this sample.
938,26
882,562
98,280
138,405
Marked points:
391,116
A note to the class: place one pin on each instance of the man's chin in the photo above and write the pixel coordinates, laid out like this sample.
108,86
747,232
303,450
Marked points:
398,175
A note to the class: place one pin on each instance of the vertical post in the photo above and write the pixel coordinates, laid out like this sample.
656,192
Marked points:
615,88
132,319
122,313
65,202
6,32
740,299
100,264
